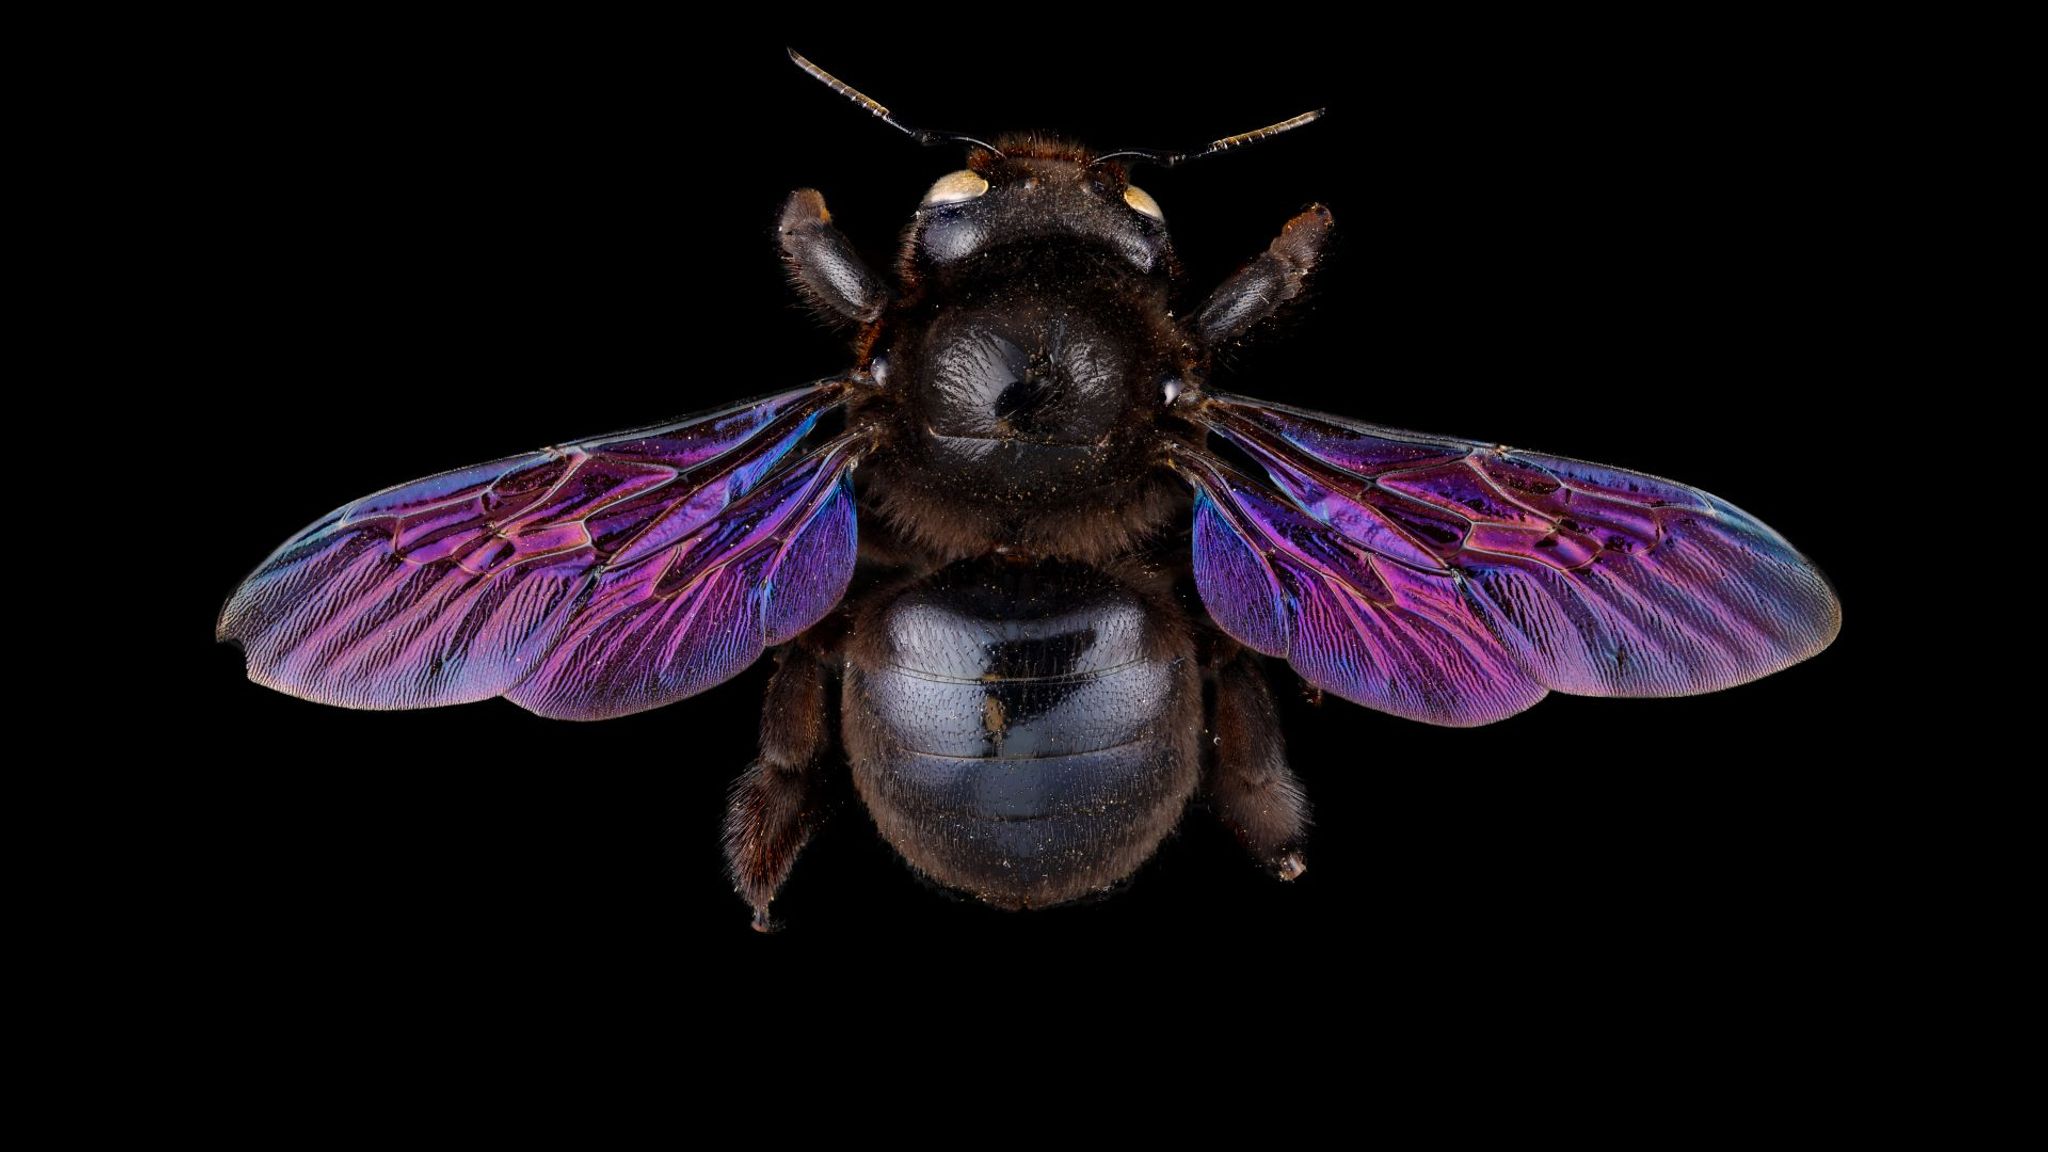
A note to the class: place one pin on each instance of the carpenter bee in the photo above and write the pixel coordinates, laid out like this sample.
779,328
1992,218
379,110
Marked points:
1021,565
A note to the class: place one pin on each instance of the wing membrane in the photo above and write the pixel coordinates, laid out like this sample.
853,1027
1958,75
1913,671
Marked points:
592,580
1456,582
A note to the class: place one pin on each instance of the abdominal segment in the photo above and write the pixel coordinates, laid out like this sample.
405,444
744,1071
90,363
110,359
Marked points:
1027,735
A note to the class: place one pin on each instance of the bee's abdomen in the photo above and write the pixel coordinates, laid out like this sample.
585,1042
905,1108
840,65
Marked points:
1027,735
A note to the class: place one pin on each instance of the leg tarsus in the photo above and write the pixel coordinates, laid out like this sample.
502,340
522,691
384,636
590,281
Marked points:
1251,787
767,822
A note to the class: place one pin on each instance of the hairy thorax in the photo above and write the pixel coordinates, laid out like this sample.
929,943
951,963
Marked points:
1024,413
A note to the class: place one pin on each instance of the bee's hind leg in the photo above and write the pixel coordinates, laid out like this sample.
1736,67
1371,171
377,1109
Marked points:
1251,788
773,806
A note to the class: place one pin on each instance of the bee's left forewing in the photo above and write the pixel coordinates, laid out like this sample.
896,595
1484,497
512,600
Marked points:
592,580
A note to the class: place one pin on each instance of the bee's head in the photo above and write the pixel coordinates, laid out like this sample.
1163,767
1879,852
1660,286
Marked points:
1027,189
1030,189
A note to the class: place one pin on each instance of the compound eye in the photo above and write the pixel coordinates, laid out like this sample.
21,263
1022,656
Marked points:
955,187
1138,198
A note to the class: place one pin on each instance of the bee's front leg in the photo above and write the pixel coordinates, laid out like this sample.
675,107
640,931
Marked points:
1261,288
824,265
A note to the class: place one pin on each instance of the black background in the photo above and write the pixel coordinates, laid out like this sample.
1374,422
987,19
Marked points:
430,255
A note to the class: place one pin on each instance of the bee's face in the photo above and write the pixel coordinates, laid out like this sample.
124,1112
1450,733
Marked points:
1038,190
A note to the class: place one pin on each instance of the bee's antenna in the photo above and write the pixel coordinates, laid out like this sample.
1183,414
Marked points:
1169,159
922,135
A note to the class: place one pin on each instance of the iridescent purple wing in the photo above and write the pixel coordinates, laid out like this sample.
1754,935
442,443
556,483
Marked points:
582,582
1457,583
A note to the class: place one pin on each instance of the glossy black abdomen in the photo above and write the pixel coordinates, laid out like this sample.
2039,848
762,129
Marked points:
1024,732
